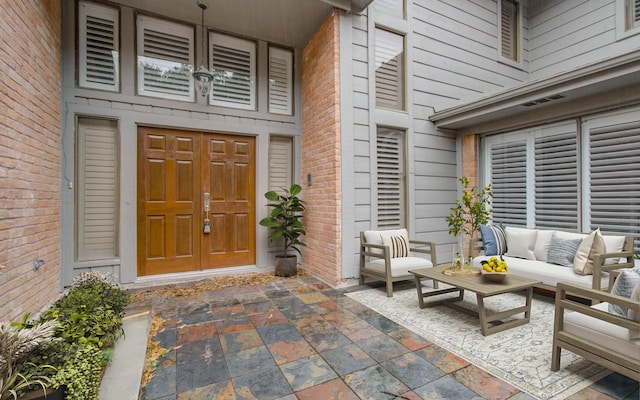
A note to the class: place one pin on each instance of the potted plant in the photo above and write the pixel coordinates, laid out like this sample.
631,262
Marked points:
284,222
469,212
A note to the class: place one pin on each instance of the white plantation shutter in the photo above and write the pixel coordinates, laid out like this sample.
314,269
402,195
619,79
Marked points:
280,81
509,29
98,47
614,180
391,178
165,59
389,63
508,169
556,181
634,14
280,163
233,63
97,188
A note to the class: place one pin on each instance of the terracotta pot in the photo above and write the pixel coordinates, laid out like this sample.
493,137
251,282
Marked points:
286,266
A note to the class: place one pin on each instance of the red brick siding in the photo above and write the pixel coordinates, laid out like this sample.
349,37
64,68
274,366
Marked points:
470,167
30,139
321,152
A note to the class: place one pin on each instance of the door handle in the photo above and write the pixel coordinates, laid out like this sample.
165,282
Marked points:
206,202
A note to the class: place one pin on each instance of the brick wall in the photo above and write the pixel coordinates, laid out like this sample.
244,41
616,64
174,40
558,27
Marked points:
470,158
321,152
30,138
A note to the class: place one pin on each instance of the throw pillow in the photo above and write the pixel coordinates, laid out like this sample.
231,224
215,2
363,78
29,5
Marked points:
623,286
562,251
521,242
494,240
589,248
635,296
398,245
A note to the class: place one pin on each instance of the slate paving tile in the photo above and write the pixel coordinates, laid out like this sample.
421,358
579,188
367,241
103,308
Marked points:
281,332
196,317
200,363
409,339
258,307
383,323
375,383
298,312
617,386
190,333
333,389
313,323
307,372
218,391
235,324
223,313
162,384
445,388
325,307
382,348
359,330
312,297
272,317
347,359
341,317
267,384
237,341
167,337
249,361
413,370
326,340
483,383
193,307
441,358
284,352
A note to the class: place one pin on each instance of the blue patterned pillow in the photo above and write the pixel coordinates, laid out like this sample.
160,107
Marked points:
494,240
562,251
623,286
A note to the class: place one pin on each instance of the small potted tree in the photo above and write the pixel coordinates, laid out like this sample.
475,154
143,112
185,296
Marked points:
469,212
284,222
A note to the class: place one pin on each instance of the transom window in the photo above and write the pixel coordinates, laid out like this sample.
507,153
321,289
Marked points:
390,74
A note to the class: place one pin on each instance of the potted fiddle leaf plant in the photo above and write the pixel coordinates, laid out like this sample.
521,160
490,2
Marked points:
469,212
285,225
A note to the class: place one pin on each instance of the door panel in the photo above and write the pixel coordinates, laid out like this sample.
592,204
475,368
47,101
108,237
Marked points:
230,177
175,169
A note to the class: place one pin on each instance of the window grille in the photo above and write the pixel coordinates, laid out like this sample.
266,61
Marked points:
98,46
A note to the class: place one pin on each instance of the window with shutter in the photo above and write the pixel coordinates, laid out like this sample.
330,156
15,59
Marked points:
233,64
632,10
391,178
165,59
508,177
509,27
280,81
98,47
395,8
389,64
556,181
614,180
280,163
97,186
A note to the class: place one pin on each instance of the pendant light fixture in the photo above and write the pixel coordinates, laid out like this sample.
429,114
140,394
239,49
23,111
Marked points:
203,77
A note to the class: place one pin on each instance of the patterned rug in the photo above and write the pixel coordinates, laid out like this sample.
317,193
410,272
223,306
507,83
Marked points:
520,356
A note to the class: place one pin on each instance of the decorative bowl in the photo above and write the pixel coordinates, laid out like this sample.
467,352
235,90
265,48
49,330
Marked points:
496,276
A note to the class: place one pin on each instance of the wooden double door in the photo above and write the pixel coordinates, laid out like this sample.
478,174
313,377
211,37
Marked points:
196,200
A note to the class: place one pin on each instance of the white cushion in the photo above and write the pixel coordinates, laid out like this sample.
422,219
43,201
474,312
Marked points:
399,266
549,274
570,235
613,244
543,240
521,242
608,335
589,248
375,237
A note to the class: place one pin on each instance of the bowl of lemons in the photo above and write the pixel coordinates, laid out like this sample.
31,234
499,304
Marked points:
495,269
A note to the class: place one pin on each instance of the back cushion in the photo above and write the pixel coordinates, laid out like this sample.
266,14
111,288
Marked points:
521,242
375,237
624,286
543,240
613,244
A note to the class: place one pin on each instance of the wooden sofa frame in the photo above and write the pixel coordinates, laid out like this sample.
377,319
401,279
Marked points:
624,364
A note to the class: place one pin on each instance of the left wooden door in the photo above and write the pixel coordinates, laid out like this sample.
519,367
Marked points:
176,169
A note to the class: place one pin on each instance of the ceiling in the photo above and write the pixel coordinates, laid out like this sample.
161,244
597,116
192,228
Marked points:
286,22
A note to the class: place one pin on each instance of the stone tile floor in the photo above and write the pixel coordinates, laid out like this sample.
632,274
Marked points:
301,339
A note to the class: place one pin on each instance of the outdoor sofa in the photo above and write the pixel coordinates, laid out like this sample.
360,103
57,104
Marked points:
553,256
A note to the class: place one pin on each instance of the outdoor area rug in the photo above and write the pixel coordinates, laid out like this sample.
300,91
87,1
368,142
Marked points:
520,356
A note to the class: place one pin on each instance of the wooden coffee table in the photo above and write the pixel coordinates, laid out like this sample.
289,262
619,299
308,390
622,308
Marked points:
483,289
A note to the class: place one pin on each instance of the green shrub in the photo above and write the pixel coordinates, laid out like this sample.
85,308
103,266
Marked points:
80,373
91,312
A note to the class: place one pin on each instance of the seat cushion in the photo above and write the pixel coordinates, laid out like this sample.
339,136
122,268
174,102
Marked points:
609,335
399,266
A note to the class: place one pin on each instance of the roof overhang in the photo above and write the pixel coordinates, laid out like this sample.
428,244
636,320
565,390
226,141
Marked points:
599,86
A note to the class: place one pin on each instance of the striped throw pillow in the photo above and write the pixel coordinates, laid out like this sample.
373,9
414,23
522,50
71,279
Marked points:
494,240
398,245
